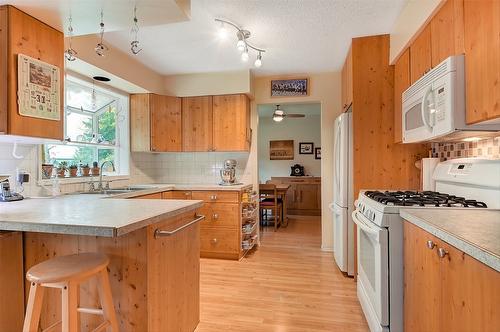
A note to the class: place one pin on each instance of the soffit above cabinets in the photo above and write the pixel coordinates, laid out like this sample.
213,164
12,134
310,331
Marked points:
117,13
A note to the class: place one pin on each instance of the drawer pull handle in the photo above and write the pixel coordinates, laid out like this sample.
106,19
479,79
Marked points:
161,233
214,241
215,216
430,244
213,197
442,253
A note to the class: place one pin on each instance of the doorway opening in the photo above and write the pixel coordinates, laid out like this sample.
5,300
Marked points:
289,165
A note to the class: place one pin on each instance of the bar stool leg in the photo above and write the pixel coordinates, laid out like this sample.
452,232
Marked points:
106,298
70,318
34,308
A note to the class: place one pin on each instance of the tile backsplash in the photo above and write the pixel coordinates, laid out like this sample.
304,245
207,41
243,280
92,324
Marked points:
487,148
181,168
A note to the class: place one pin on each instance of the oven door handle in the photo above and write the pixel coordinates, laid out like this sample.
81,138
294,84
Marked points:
375,233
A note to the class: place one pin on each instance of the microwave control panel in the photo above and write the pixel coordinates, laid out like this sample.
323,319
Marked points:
440,103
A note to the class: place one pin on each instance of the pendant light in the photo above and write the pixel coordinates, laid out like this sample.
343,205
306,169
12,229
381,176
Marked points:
101,48
70,53
134,44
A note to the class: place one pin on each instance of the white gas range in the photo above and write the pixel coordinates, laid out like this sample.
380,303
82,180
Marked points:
460,183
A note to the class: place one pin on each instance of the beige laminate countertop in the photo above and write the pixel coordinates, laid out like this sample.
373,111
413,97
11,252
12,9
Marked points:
473,231
95,215
153,188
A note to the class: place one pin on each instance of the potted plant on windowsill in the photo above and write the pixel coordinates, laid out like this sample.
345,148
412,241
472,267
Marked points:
85,170
47,171
73,170
61,169
95,168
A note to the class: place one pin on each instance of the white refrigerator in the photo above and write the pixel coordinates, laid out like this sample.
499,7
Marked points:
343,194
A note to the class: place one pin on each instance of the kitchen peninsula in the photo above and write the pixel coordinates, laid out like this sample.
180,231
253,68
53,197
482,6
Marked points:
154,279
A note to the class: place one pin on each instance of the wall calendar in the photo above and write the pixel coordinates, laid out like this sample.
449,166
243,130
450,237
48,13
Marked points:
39,89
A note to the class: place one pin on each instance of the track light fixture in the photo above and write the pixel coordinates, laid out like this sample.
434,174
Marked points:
242,44
70,53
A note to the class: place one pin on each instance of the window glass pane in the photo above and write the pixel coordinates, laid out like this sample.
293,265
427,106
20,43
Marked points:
106,123
54,154
83,97
106,155
78,127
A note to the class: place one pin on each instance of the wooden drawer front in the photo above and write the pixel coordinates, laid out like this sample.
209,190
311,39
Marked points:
150,196
177,194
219,240
217,196
220,215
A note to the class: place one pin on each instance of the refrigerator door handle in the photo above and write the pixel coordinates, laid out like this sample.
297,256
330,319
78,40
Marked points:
331,207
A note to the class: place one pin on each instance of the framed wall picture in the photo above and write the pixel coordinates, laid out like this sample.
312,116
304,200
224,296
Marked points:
306,148
39,94
281,150
317,153
290,87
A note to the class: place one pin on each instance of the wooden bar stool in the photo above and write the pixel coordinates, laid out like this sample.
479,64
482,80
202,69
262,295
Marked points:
67,273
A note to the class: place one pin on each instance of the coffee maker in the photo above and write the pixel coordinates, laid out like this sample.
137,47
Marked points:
6,195
228,173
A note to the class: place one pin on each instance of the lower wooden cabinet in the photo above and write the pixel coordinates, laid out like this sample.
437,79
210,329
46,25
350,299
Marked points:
453,293
150,196
176,194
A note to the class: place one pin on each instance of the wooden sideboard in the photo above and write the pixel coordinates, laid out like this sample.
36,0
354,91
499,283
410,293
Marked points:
303,196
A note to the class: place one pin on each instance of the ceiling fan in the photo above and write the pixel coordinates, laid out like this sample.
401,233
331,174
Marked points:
279,114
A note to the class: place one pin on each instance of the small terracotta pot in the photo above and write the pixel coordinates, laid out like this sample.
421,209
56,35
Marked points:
61,172
95,170
73,172
47,171
85,171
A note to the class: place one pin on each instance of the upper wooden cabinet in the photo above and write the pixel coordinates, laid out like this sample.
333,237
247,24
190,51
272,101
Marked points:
231,123
420,55
447,31
171,124
347,81
401,83
155,123
454,293
21,33
482,60
197,124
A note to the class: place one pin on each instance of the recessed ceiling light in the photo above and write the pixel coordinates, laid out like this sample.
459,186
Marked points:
101,78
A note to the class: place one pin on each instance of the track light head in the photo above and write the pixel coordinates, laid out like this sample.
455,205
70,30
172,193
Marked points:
258,61
244,55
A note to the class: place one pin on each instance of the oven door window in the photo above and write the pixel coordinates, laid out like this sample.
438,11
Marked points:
373,266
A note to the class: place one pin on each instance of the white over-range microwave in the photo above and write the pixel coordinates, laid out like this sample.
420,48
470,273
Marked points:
434,106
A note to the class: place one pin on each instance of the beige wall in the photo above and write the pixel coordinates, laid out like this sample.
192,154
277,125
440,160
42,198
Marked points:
325,89
413,17
203,84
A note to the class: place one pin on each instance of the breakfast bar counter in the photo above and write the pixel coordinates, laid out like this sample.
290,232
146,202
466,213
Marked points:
153,246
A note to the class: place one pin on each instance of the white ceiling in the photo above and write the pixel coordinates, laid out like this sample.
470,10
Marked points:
118,14
300,35
267,110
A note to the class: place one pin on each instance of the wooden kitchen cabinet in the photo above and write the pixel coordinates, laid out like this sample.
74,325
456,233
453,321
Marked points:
420,55
304,195
176,194
155,123
231,123
453,293
21,33
346,77
197,123
11,281
447,31
401,83
482,63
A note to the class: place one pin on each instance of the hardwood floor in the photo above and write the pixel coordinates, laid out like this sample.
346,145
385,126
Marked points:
287,285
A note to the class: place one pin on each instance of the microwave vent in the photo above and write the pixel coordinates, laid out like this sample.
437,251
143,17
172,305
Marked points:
448,65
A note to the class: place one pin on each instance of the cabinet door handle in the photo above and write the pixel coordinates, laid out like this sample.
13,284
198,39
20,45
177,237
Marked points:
214,240
215,216
430,244
159,233
442,253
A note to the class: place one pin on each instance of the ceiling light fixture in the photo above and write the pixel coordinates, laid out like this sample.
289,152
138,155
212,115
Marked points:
242,45
134,44
70,53
101,48
222,31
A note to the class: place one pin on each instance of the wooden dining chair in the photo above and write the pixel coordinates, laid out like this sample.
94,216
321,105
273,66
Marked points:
269,201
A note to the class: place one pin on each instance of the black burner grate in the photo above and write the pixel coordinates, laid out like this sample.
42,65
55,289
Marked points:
422,198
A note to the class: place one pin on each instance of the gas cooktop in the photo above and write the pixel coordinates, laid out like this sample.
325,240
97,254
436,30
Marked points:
422,198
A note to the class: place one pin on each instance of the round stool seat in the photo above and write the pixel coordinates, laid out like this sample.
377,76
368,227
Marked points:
65,268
